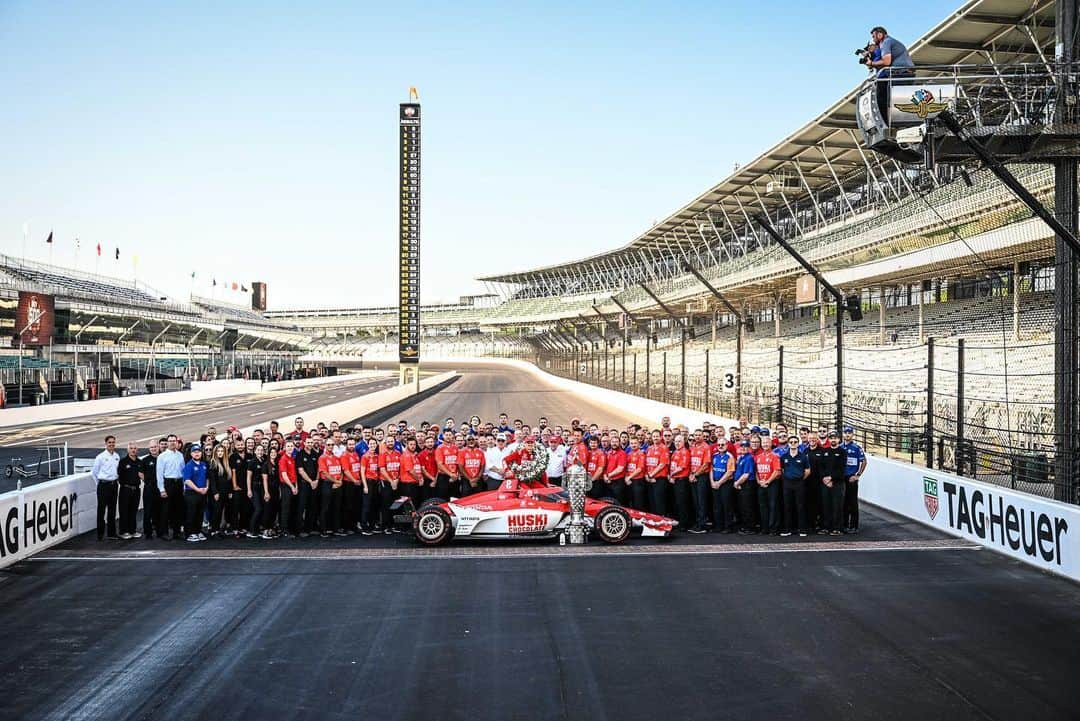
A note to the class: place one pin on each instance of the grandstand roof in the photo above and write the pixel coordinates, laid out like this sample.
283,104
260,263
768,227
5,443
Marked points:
1006,31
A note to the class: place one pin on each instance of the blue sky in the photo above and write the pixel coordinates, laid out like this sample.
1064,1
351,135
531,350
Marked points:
257,141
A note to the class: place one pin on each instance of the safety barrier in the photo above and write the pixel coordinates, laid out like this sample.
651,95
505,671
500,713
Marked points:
40,516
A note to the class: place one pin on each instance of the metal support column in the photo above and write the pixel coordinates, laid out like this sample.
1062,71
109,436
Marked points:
929,435
959,452
837,296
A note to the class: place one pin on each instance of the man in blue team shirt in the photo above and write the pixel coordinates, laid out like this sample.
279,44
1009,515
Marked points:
195,488
745,484
853,470
723,493
796,469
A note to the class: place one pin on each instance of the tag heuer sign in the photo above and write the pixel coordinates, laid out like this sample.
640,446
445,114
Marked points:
930,496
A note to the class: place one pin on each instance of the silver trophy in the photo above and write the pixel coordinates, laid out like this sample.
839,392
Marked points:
578,484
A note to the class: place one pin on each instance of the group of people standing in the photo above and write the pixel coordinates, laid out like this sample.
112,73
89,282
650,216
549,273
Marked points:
333,482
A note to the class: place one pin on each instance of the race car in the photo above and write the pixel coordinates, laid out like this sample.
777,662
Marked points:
527,511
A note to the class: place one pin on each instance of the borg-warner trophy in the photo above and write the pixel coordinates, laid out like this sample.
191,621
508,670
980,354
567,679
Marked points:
578,484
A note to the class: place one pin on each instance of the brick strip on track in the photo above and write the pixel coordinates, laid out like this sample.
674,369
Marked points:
502,550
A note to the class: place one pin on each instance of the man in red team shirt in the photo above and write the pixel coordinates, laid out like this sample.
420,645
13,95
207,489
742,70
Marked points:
390,476
679,472
369,468
700,468
595,465
331,477
352,492
767,468
578,452
472,466
635,474
446,461
615,472
656,474
429,468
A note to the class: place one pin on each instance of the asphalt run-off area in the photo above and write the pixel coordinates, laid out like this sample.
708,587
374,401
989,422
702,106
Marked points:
899,622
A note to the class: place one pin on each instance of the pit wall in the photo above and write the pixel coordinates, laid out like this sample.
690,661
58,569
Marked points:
1037,531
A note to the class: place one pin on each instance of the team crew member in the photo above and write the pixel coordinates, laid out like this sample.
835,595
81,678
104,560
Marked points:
815,452
307,470
855,465
556,460
127,471
595,463
833,486
390,475
615,473
370,479
412,473
472,466
446,461
796,469
105,473
721,482
656,474
635,475
494,455
219,477
151,521
257,487
331,478
700,465
290,488
352,492
195,489
170,487
429,468
680,479
746,486
767,470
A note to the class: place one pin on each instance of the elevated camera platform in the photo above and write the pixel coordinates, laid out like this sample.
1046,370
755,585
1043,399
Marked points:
1011,109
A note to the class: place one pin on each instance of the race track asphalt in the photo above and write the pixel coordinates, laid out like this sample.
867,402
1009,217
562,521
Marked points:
896,623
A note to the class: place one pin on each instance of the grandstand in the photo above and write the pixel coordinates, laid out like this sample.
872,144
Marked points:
115,336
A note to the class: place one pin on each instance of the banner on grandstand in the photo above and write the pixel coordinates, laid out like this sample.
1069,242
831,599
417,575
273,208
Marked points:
806,290
34,318
1033,529
409,238
258,296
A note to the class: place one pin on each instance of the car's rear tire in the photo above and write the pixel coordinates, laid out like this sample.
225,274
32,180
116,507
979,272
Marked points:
432,502
612,524
433,526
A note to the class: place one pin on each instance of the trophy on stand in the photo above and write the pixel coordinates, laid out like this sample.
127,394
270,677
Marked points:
578,484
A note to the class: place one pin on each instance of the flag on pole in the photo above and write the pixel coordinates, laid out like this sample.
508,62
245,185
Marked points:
49,239
193,275
215,283
234,286
243,289
118,254
413,94
135,261
99,250
76,245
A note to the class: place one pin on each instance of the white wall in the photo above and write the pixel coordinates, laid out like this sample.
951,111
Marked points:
45,514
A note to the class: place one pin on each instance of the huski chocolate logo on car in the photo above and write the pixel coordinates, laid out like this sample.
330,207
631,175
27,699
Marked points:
930,497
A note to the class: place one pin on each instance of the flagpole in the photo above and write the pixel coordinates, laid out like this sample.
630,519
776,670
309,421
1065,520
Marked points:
25,232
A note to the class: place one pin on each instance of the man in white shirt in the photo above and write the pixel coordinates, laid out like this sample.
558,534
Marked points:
105,474
556,460
494,457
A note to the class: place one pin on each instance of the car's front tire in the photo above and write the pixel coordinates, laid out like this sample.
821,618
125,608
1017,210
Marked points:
433,526
612,524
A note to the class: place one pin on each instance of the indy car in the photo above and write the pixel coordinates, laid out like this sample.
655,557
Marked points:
528,511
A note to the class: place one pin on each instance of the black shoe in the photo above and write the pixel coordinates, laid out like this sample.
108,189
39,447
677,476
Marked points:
304,534
341,533
325,534
745,532
367,532
113,538
697,529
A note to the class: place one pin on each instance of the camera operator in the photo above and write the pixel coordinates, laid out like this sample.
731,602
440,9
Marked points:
892,61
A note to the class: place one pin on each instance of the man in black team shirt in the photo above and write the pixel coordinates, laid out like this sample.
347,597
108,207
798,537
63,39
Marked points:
151,519
307,472
129,470
832,486
238,468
